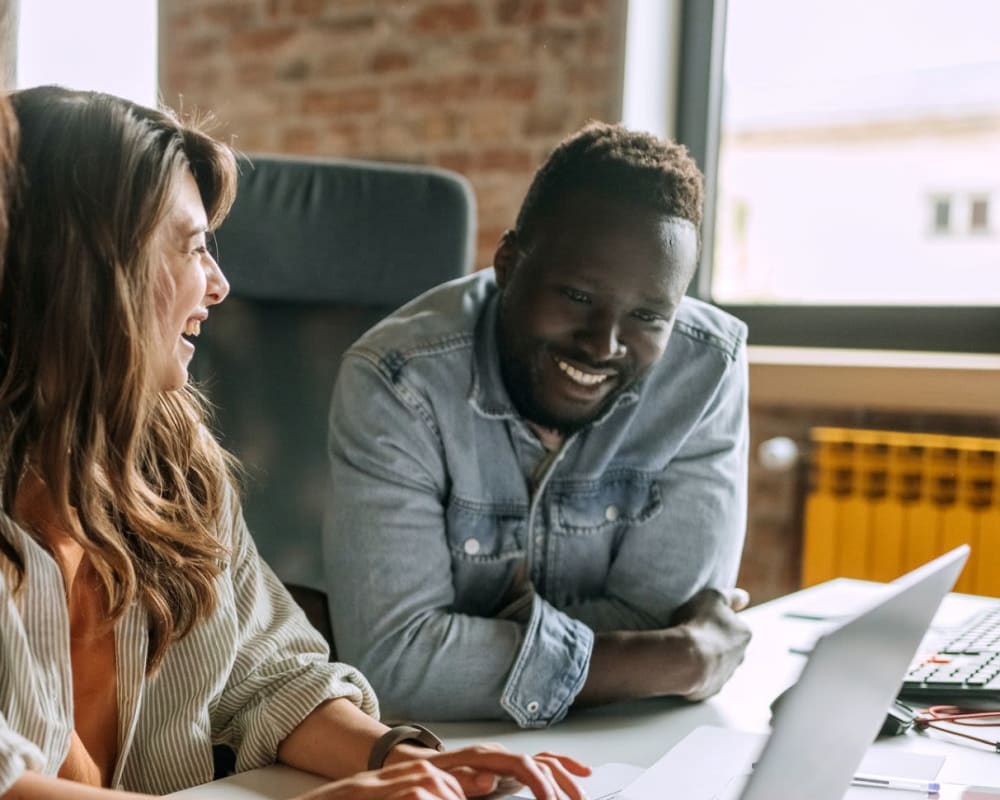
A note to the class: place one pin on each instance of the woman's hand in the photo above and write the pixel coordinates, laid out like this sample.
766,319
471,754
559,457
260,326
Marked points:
481,771
491,771
411,780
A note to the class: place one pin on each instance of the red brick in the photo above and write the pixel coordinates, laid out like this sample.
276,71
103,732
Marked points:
341,64
506,159
598,41
254,74
500,50
300,140
308,8
457,160
356,25
521,12
295,70
486,245
580,8
494,122
391,61
558,44
343,139
260,40
448,89
517,88
593,80
231,14
439,126
341,101
547,120
447,18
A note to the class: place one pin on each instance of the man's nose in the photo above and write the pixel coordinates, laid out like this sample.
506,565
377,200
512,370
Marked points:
601,338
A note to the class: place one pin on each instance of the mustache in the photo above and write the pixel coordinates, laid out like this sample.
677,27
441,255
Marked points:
585,362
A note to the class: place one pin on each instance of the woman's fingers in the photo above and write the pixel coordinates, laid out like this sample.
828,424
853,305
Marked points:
410,780
562,769
548,778
569,764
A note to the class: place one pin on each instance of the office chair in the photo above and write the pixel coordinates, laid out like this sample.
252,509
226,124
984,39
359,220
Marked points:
316,252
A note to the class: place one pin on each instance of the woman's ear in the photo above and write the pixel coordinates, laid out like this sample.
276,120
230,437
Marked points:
505,258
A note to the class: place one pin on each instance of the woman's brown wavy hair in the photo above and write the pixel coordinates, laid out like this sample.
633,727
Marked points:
134,465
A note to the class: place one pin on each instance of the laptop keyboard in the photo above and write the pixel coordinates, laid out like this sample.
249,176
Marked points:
965,670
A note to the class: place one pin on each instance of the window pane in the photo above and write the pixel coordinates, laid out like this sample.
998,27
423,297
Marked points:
979,217
859,153
103,45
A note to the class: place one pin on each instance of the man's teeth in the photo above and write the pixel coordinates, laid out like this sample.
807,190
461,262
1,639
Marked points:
585,378
193,328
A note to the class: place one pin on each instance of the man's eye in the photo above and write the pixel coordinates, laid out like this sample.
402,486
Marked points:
577,296
648,316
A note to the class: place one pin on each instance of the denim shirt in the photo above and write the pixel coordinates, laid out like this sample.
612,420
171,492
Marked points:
436,510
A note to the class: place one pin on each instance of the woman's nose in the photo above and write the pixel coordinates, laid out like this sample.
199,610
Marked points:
217,287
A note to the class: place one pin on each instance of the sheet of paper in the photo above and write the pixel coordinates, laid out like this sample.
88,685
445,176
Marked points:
605,783
837,600
712,763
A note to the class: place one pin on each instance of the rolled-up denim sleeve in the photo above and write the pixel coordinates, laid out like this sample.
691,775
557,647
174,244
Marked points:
550,669
388,570
697,539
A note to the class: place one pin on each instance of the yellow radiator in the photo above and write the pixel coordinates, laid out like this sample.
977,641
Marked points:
881,503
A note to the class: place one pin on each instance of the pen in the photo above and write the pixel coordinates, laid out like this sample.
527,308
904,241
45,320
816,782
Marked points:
889,782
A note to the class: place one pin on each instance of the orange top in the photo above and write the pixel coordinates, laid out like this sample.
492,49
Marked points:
93,748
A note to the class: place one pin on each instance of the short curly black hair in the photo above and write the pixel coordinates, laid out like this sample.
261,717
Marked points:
617,163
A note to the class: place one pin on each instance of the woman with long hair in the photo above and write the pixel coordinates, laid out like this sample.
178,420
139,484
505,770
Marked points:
138,625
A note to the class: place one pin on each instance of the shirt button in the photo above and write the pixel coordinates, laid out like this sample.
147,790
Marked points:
471,546
533,707
611,513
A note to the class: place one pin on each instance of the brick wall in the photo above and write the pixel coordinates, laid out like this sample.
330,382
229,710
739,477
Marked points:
484,87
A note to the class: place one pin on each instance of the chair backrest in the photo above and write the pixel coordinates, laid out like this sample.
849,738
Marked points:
316,252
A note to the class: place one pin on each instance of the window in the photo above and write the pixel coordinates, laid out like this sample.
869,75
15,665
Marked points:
979,215
851,150
942,215
104,45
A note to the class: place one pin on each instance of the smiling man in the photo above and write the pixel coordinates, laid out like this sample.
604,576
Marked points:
539,471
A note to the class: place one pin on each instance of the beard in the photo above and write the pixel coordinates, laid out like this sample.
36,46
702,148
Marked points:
523,363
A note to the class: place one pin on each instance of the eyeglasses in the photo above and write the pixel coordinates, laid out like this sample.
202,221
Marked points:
954,715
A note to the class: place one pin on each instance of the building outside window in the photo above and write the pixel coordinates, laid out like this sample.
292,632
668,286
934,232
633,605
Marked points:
851,151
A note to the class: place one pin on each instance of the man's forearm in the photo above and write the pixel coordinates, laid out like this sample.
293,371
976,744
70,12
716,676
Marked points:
692,658
628,665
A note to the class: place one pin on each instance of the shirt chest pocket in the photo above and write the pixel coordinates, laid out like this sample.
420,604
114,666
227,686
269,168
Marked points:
487,546
616,502
479,533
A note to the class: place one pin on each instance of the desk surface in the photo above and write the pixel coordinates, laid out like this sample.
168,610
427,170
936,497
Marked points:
640,732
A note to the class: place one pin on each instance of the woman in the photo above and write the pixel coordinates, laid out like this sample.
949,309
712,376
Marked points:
138,625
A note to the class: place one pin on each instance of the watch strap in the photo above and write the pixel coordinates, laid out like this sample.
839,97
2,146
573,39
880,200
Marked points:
397,735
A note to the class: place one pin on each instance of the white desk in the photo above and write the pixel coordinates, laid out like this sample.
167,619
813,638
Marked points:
640,732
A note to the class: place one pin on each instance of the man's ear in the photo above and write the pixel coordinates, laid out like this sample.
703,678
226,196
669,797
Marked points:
505,258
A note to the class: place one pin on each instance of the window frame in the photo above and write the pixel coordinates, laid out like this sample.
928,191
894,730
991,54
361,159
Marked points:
960,329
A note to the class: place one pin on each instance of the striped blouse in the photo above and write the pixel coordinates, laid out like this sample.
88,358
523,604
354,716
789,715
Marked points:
245,677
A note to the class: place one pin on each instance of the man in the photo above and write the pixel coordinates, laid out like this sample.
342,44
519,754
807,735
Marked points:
539,471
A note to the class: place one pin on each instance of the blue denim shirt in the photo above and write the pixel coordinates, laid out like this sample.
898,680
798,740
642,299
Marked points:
435,506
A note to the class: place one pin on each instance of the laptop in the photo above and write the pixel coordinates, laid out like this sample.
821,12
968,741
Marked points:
827,720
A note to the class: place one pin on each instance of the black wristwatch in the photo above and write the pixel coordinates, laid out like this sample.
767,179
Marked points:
397,735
